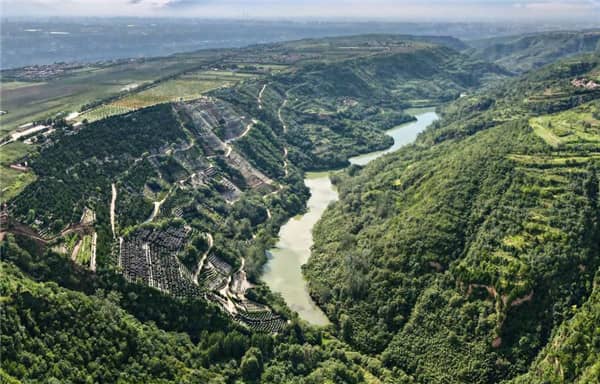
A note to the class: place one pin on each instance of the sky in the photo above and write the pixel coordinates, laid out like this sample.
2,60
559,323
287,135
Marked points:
398,10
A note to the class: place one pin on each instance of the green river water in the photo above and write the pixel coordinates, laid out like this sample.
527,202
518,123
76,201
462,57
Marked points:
283,271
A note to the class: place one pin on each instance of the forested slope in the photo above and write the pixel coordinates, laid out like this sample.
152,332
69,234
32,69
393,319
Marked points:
51,334
147,231
335,109
572,354
136,254
524,53
459,257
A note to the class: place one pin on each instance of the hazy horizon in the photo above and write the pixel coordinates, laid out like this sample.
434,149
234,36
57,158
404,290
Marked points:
378,10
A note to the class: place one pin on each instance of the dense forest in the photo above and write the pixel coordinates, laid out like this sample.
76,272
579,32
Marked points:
128,333
482,237
470,256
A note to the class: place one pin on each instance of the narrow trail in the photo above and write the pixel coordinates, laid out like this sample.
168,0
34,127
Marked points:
113,203
244,283
248,128
227,143
93,258
203,258
285,150
226,293
281,118
157,205
260,94
285,162
119,261
24,230
76,250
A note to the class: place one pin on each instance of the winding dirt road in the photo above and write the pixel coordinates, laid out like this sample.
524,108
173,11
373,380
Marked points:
260,94
113,203
203,258
281,118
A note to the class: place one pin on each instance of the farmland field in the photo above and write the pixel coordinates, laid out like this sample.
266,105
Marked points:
13,151
28,101
10,85
12,181
186,87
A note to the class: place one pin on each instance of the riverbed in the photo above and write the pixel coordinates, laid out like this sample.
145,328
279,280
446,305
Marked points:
283,271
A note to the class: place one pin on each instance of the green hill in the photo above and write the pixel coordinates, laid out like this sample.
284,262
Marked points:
146,227
524,53
335,109
456,258
134,252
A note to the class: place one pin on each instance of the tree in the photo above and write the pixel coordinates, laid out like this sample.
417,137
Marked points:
252,364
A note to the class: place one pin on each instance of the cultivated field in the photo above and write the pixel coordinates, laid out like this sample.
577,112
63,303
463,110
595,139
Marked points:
28,101
186,87
12,181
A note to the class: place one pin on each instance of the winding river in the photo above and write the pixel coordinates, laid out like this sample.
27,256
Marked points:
283,271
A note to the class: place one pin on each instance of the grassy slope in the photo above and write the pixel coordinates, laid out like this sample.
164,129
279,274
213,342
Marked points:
35,313
69,92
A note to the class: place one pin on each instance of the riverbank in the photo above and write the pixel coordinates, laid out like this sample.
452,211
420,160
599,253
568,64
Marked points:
283,270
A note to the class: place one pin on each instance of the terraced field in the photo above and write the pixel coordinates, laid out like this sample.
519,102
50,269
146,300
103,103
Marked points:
576,129
85,251
186,87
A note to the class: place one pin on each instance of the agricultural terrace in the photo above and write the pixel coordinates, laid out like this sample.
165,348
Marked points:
186,87
578,128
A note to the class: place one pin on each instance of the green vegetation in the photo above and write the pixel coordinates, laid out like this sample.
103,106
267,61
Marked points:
470,256
188,86
13,181
456,258
67,92
119,332
335,109
572,354
85,250
524,53
78,170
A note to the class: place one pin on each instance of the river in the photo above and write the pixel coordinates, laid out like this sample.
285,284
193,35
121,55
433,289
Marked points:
283,271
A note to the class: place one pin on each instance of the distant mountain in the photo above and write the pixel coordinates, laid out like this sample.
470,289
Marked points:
523,53
45,41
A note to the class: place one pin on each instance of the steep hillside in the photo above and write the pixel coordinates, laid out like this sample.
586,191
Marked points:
55,335
456,258
185,197
523,53
336,109
572,354
450,261
161,216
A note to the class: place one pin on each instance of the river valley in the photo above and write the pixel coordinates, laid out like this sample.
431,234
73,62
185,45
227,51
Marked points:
283,271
